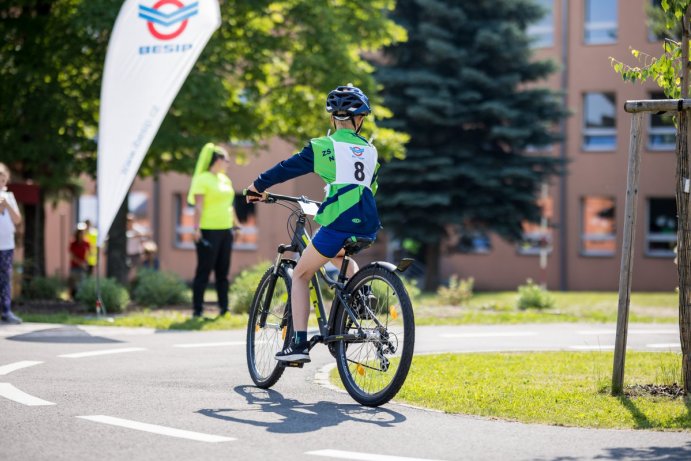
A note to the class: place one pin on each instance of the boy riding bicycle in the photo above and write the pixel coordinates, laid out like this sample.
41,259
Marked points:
347,163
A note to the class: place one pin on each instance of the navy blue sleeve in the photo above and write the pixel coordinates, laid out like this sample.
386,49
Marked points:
297,165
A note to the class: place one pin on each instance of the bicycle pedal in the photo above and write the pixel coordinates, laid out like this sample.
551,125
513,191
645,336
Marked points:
294,364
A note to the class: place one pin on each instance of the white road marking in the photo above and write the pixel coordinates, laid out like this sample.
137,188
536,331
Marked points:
99,330
7,369
489,334
362,456
664,346
220,344
593,347
155,429
8,391
631,332
79,355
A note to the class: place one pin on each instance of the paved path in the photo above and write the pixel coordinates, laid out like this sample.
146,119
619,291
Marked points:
113,393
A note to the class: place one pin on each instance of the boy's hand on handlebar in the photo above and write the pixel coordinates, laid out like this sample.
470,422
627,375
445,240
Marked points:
252,195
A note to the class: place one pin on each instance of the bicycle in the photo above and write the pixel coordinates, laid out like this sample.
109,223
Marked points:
369,329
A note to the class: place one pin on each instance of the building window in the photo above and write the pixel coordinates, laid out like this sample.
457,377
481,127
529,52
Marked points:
661,228
598,226
474,242
599,122
138,208
87,207
537,238
657,30
662,134
245,238
600,21
184,223
542,32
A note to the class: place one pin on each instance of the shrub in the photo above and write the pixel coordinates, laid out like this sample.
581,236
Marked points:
531,295
243,287
43,288
411,287
157,289
114,296
458,291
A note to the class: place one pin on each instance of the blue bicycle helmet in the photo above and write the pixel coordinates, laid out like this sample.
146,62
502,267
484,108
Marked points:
346,101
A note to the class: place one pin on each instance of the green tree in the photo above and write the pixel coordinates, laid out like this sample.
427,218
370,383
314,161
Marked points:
463,87
264,73
670,71
48,92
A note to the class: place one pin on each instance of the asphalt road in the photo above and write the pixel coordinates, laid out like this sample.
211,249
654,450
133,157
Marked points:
135,394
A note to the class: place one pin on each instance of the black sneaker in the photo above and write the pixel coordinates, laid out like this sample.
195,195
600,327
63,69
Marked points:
298,353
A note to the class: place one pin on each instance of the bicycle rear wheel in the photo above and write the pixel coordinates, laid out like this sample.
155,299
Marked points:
269,327
374,369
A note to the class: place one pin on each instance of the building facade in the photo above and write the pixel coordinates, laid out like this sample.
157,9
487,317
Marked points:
581,236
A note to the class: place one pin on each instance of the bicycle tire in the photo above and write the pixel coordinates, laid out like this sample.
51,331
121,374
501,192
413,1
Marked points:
371,371
264,342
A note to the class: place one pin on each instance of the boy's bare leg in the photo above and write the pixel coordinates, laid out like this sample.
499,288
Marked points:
309,263
338,262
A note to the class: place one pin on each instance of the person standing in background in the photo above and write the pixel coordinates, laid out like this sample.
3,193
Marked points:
9,218
79,252
211,193
91,236
136,236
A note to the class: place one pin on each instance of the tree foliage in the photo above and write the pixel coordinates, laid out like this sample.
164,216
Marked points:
264,73
664,70
464,86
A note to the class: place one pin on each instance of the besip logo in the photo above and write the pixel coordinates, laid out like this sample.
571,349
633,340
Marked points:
358,151
170,16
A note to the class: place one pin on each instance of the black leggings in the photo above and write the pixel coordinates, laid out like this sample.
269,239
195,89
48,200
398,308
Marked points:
213,252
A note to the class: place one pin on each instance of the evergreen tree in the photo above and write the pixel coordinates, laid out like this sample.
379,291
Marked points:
465,88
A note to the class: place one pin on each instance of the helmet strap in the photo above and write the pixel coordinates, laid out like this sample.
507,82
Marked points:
356,128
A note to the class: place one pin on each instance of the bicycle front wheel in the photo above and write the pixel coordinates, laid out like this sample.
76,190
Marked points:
269,327
374,368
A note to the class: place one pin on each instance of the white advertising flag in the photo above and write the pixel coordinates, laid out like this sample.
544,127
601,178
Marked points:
152,49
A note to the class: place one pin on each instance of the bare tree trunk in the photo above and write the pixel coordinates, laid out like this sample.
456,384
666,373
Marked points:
34,243
683,177
684,249
116,265
432,253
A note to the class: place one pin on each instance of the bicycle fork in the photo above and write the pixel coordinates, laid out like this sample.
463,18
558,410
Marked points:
266,302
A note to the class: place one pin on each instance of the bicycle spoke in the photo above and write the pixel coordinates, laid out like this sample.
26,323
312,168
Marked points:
372,363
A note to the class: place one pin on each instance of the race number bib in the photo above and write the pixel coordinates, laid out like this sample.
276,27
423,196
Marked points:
355,164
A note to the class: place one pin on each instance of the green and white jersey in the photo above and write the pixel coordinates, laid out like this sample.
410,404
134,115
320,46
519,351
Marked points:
348,165
343,161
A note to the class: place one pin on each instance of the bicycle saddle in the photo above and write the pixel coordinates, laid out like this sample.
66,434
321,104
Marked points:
354,245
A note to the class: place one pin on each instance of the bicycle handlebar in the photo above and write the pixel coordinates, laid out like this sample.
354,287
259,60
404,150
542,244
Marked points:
272,198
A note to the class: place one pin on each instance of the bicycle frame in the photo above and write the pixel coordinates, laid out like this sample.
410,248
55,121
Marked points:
300,241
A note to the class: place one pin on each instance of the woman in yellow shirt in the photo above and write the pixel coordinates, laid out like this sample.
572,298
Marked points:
211,193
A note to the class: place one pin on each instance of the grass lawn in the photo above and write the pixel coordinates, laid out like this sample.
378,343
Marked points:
160,319
483,308
572,306
560,388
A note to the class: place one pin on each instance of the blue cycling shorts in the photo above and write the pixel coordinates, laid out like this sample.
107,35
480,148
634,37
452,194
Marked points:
329,242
